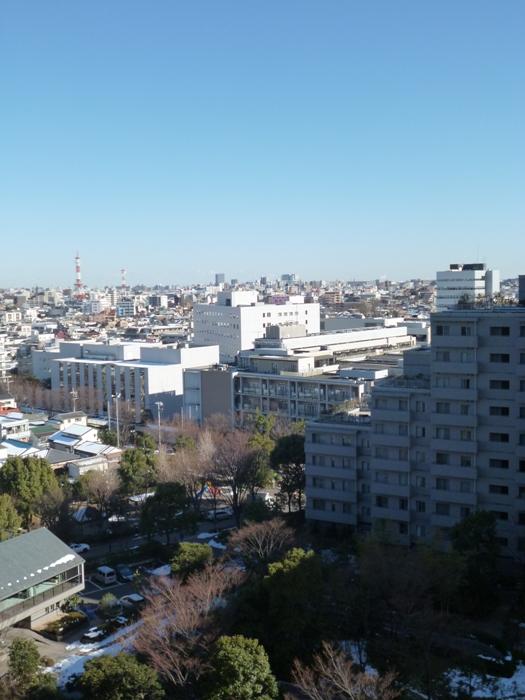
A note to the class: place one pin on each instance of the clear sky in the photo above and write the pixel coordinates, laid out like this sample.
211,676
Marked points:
331,138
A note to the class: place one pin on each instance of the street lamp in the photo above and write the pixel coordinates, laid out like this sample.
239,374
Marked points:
117,398
159,406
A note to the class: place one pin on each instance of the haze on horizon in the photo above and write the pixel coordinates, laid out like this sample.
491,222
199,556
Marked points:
336,140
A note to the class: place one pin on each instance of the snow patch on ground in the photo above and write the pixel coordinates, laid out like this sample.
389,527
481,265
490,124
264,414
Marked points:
73,664
490,686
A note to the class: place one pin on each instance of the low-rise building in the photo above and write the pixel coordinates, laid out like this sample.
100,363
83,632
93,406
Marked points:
37,573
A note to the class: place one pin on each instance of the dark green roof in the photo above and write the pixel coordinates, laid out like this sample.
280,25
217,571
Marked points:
32,558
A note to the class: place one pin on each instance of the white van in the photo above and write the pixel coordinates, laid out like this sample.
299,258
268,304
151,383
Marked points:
105,575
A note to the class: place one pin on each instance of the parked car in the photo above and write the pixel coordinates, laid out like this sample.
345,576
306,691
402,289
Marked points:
105,575
124,572
132,600
93,634
79,548
220,513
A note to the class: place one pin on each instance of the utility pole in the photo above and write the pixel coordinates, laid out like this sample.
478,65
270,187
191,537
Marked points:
109,413
159,406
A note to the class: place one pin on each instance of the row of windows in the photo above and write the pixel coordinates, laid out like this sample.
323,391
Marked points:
443,330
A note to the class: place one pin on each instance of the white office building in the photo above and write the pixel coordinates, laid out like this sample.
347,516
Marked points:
141,374
238,319
469,282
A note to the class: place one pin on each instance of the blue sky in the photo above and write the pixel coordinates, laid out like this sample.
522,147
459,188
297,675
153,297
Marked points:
336,139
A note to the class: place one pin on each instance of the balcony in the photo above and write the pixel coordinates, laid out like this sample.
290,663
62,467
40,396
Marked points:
396,514
444,342
391,440
462,421
454,393
458,497
382,489
37,600
394,414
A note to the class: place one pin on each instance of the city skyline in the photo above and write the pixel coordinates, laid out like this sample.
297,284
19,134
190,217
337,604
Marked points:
338,140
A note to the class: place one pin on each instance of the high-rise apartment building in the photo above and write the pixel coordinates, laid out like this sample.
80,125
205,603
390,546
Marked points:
469,282
448,437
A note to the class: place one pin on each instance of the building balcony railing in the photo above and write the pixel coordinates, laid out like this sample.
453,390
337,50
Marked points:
30,603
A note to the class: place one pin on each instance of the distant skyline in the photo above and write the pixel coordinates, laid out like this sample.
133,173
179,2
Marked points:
335,139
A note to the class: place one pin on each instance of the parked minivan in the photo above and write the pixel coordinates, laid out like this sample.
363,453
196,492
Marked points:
105,575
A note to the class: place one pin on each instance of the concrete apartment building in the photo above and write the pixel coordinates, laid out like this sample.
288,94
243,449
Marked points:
467,282
447,438
294,375
141,374
237,319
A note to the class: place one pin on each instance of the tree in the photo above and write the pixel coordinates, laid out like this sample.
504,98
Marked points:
10,521
234,460
292,483
261,439
136,471
261,543
51,507
285,610
24,663
178,624
474,538
240,670
107,605
101,489
289,449
26,480
190,557
108,437
165,510
120,677
145,442
333,676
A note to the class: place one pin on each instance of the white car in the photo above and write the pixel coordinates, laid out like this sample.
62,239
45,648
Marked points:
132,600
219,514
80,548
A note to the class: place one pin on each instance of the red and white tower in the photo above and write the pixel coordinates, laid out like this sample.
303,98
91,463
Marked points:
79,287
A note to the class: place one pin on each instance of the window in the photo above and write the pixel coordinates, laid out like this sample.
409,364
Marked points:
466,356
420,531
499,330
420,406
318,504
466,330
442,356
421,482
442,458
522,465
522,384
403,528
443,433
522,439
403,504
442,407
465,434
421,506
465,461
442,484
522,358
521,518
379,428
382,501
499,489
522,411
500,357
402,429
442,330
499,411
442,509
318,482
465,486
501,384
498,463
347,508
442,381
522,331
402,454
464,512
420,457
420,431
464,409
498,437
500,514
465,383
403,405
382,452
403,479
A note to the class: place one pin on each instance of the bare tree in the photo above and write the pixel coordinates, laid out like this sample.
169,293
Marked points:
333,676
261,543
234,464
101,488
178,628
